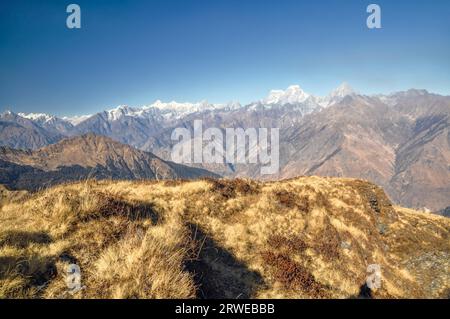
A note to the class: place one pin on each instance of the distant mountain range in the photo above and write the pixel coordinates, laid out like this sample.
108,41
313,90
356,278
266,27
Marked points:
400,141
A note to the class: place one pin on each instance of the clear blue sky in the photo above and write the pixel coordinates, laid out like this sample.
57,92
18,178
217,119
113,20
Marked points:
133,52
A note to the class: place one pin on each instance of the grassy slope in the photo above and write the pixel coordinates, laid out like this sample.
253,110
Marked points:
301,238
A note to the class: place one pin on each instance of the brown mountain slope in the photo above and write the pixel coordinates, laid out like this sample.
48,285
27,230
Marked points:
301,238
407,153
17,136
345,140
87,156
423,165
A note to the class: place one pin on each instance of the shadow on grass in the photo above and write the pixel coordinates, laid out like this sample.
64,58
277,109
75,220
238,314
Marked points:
364,293
37,270
22,239
217,273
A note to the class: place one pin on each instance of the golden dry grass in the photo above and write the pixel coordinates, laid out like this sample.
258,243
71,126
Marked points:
307,237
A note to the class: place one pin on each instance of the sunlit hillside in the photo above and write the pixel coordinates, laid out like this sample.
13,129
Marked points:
306,237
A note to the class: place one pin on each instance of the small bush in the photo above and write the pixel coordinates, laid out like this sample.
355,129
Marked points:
292,275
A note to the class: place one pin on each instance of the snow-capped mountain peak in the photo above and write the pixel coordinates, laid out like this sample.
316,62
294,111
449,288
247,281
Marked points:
342,91
233,105
336,95
167,109
39,117
182,107
293,94
118,112
179,109
77,119
51,123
